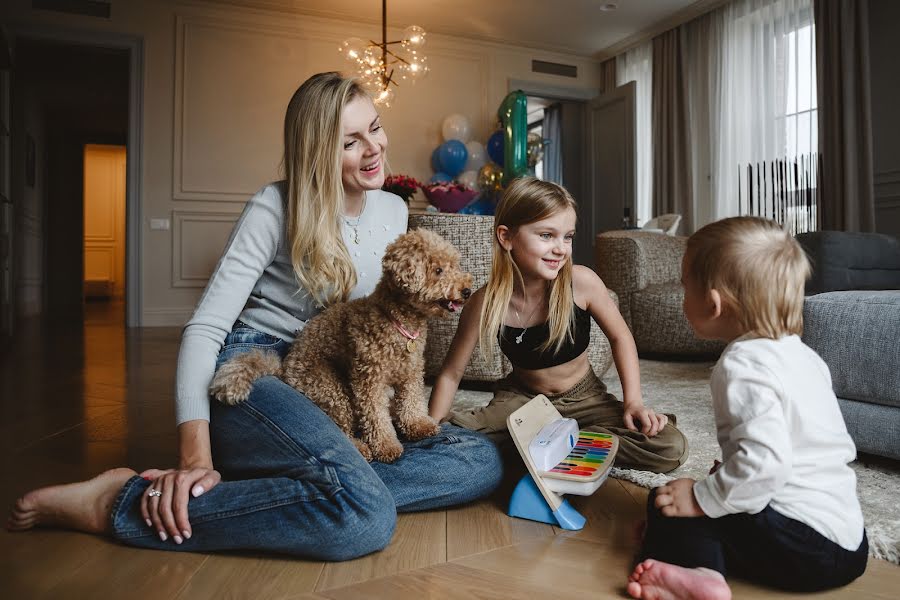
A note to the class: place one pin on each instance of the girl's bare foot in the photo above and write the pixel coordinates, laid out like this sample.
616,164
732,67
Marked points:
656,580
83,506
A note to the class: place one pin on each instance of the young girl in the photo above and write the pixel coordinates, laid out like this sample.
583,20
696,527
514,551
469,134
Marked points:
781,507
293,482
539,306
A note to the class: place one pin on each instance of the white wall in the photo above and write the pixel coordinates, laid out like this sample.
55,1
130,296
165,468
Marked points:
216,83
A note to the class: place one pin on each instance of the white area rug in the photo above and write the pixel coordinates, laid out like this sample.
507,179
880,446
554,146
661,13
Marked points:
682,388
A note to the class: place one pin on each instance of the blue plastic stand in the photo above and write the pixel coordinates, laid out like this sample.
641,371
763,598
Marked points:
527,502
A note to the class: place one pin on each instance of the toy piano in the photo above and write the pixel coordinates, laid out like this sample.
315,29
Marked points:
560,460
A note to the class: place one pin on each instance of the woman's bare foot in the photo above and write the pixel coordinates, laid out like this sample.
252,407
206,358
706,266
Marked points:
656,580
83,506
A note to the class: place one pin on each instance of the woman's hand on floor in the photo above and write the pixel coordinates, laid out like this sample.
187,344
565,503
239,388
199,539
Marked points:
650,421
167,510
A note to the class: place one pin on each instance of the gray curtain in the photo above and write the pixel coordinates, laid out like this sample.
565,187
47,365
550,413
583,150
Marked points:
552,129
671,189
846,182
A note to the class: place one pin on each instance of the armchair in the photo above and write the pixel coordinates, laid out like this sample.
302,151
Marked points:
644,270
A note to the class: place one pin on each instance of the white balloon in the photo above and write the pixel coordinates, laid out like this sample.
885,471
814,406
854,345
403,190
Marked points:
476,156
469,179
456,127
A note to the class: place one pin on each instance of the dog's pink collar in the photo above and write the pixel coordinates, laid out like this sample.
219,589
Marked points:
413,335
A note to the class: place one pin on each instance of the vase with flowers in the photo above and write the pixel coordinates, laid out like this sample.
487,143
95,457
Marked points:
402,185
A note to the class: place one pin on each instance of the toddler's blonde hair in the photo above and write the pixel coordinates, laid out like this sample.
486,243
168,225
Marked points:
757,268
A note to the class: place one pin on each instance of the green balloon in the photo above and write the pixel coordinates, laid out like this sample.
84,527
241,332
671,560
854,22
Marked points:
513,115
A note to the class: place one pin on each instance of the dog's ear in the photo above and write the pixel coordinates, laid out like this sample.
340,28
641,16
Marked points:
405,262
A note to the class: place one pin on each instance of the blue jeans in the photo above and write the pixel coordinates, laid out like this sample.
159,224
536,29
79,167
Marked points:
293,482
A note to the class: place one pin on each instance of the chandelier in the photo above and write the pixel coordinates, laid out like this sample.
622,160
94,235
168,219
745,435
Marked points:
378,66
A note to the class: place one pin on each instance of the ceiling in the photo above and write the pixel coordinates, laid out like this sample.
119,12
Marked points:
580,27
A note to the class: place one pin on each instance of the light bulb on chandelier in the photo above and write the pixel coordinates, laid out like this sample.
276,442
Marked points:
378,66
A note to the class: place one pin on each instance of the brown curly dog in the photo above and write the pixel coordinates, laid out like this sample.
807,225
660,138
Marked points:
347,357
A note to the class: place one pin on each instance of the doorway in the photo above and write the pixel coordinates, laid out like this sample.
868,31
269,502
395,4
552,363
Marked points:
68,95
103,280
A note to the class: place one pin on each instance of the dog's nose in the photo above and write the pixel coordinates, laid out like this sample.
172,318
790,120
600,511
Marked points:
466,293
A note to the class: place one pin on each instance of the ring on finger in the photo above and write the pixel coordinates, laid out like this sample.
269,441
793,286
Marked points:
154,493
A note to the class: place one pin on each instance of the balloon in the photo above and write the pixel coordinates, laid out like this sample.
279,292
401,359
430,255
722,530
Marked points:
495,147
476,156
436,159
456,127
478,206
440,178
513,119
469,179
490,180
452,156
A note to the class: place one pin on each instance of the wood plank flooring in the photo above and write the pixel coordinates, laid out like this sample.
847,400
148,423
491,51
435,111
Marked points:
80,399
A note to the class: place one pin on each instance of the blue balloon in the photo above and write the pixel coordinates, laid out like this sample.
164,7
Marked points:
440,177
436,160
453,155
495,147
478,206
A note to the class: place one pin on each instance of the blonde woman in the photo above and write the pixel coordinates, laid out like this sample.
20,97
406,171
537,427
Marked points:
539,306
274,473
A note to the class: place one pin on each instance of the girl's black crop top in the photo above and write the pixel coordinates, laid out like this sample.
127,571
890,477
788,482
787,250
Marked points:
526,355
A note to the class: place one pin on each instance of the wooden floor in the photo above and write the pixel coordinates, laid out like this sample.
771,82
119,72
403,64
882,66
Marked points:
79,400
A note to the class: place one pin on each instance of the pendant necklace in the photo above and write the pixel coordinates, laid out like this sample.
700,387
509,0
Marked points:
411,336
354,225
522,335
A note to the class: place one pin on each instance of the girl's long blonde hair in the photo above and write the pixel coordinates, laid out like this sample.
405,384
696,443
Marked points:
525,201
313,148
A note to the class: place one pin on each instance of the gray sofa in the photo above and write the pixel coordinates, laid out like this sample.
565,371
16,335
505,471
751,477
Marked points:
852,319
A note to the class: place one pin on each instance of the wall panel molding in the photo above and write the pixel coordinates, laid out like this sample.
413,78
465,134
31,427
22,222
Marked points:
269,60
198,239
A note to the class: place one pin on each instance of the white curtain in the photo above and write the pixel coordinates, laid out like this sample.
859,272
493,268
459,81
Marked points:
762,90
637,65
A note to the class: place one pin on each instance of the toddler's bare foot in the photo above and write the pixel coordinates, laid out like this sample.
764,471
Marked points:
656,580
83,506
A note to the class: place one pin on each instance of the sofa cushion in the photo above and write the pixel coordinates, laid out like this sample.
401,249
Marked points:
844,260
873,427
659,324
857,334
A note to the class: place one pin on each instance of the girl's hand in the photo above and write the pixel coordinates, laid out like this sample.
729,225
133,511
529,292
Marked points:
651,422
166,511
676,499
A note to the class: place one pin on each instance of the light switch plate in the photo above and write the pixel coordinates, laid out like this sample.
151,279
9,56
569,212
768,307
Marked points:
159,224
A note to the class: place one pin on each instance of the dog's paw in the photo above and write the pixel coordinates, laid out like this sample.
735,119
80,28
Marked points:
420,428
387,452
230,391
363,448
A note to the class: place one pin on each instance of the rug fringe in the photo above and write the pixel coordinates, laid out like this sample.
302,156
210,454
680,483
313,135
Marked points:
647,479
884,539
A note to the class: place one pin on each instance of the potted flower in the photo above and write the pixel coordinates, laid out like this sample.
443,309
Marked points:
402,185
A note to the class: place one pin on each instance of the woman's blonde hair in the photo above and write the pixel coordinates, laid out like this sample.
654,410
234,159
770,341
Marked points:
525,201
758,269
313,148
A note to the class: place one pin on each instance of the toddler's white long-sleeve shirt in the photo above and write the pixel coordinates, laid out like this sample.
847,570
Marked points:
783,438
